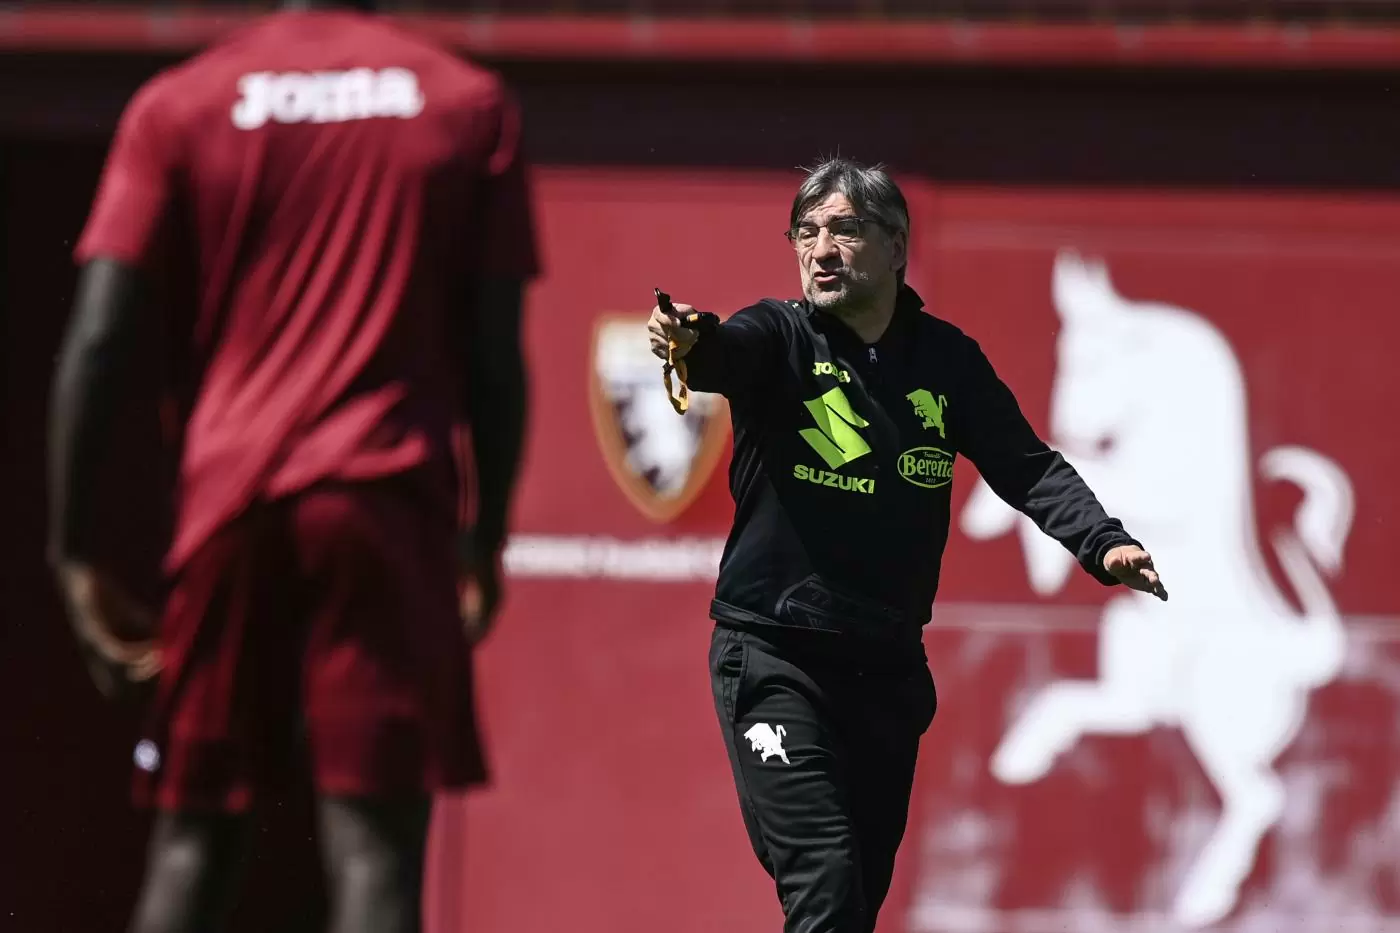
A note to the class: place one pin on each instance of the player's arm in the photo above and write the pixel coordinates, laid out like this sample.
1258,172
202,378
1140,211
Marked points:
488,342
731,358
95,371
1028,475
490,329
107,323
96,367
496,404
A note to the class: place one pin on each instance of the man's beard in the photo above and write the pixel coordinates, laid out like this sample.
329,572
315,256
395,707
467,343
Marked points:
854,295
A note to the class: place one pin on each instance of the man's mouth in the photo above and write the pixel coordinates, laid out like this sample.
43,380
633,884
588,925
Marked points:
826,278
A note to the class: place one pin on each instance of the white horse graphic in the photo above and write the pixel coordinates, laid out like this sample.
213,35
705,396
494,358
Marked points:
1149,405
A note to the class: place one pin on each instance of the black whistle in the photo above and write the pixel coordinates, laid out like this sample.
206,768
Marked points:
663,301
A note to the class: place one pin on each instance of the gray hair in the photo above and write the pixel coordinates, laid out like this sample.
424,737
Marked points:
869,188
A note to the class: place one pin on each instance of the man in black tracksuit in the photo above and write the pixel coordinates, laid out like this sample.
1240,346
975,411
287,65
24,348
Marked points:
849,408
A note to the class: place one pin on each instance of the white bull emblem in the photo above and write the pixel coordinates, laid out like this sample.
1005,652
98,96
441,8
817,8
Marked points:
1228,661
768,740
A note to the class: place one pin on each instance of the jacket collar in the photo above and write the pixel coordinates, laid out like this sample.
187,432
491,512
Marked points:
907,306
907,300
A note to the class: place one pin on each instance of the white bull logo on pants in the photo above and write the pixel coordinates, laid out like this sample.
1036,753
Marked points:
768,740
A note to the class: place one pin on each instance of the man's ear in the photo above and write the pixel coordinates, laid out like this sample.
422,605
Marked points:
899,250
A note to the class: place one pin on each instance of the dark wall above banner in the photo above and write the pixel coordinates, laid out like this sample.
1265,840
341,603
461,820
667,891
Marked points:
1115,35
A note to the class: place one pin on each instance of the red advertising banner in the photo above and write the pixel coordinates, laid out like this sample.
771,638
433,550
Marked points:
1217,368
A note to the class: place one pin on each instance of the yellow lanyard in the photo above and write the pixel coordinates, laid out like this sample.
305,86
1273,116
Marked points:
679,401
682,401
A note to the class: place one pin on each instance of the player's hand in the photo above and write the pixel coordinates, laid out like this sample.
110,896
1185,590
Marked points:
480,592
114,631
665,328
1133,567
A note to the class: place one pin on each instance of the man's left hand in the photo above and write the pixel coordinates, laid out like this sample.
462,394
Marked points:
479,584
1133,567
114,631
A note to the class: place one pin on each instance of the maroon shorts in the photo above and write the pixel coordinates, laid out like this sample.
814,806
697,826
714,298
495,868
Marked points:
323,625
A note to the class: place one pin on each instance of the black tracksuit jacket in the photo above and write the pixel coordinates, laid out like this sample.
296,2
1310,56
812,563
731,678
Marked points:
842,467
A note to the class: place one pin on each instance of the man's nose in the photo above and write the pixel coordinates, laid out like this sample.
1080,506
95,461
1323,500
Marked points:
825,247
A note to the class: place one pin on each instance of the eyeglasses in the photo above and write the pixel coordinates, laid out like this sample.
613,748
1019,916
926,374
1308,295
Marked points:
844,230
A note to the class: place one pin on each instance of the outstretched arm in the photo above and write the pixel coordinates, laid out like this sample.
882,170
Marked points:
1036,480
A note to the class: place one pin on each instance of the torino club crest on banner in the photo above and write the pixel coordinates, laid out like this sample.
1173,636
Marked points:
661,460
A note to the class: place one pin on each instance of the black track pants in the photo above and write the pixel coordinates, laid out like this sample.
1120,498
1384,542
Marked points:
822,747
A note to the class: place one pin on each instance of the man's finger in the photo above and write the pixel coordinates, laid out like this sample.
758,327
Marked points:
1153,578
675,329
145,667
116,651
1148,581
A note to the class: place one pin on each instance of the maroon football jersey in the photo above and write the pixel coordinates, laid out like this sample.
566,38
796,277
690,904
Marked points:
336,183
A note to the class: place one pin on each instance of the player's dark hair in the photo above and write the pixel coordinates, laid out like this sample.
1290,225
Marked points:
869,188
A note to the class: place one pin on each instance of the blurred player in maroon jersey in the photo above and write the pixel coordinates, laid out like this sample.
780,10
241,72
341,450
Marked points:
353,206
